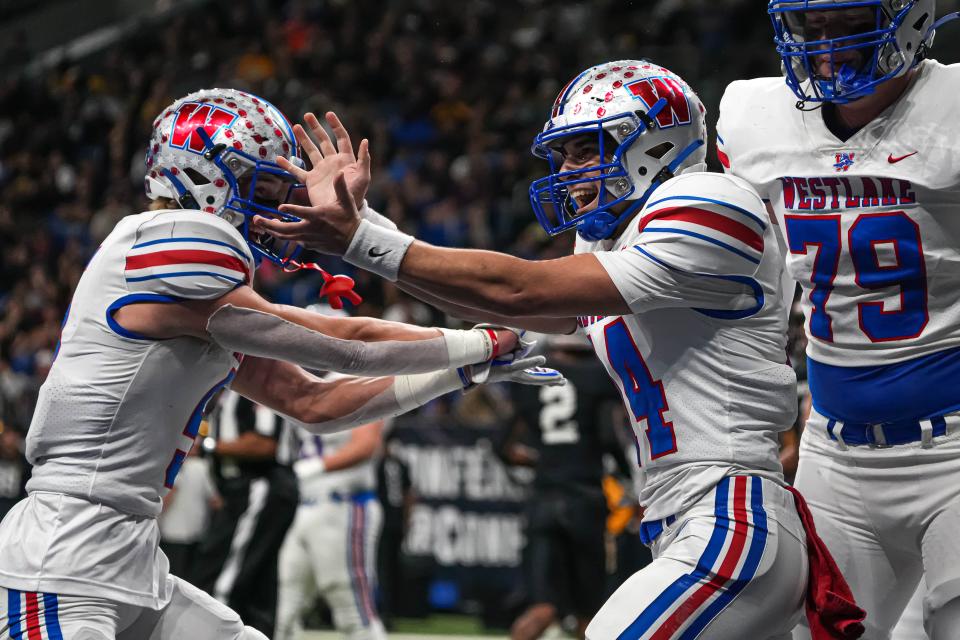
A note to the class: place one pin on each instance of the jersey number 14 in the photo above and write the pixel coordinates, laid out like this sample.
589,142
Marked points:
644,396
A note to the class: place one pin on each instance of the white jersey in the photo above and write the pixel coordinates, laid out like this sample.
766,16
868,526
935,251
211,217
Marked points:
872,229
119,411
701,362
342,483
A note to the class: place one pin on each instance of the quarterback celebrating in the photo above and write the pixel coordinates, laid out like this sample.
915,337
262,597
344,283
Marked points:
676,280
163,316
857,155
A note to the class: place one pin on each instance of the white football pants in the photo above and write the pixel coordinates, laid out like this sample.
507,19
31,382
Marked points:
889,515
191,613
330,551
731,567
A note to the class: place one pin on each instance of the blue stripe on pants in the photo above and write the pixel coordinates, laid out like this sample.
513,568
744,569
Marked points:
749,569
51,616
675,591
14,614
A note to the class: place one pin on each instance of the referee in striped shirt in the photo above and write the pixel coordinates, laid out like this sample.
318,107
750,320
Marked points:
252,453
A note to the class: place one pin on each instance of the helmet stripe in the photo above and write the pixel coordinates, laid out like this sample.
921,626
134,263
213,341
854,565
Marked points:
564,94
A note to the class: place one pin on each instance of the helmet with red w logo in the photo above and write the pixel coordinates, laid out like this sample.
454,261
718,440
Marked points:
648,125
215,150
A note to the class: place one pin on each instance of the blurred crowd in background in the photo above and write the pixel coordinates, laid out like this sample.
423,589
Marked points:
450,95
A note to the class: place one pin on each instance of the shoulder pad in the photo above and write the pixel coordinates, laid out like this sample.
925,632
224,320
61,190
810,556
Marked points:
705,223
187,254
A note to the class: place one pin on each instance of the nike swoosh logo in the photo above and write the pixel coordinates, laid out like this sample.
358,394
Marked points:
373,253
893,160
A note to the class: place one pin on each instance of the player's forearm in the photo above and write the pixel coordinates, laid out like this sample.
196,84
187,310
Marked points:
363,329
349,402
265,335
492,283
463,312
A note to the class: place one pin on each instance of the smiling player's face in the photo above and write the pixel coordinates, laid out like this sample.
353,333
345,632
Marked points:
582,152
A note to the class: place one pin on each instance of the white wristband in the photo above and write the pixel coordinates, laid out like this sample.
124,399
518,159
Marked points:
368,213
378,250
468,347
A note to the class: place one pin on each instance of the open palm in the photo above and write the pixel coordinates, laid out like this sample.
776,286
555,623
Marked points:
328,160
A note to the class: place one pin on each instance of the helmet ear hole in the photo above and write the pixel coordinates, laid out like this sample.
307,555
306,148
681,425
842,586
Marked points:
660,150
197,177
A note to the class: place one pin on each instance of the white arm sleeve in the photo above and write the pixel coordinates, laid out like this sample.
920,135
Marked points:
265,335
406,393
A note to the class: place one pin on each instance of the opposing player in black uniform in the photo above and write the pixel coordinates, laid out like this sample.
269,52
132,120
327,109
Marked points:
568,435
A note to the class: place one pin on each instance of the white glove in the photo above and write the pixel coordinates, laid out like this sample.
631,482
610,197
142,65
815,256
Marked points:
522,371
522,350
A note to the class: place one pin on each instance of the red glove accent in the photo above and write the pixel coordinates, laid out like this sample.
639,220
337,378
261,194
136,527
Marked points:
335,288
832,613
495,341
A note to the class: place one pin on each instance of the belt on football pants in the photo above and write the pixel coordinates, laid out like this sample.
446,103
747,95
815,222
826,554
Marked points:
651,529
359,497
887,434
338,496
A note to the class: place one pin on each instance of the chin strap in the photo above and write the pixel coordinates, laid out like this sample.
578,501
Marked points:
335,287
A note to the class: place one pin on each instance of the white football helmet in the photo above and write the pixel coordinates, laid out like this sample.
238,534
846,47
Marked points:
215,150
650,126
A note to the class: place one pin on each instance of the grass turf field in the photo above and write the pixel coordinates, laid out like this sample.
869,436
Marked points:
448,627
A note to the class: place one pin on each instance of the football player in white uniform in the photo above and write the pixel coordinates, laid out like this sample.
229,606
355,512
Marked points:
863,176
676,279
330,548
163,316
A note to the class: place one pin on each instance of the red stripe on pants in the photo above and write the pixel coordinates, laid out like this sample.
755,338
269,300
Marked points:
33,617
723,575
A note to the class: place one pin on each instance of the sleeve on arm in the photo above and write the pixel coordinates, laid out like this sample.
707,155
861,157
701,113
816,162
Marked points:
196,257
697,244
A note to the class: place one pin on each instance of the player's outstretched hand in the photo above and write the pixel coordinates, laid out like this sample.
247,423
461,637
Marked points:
327,228
522,371
327,163
326,159
520,348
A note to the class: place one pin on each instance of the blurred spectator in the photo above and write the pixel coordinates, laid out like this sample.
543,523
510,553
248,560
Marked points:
251,450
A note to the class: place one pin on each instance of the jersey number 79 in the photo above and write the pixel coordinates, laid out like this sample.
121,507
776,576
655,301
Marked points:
822,234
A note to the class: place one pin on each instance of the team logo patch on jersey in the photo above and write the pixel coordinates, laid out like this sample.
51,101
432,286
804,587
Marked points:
196,115
844,161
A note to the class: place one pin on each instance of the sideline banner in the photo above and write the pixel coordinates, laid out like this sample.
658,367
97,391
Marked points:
468,514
